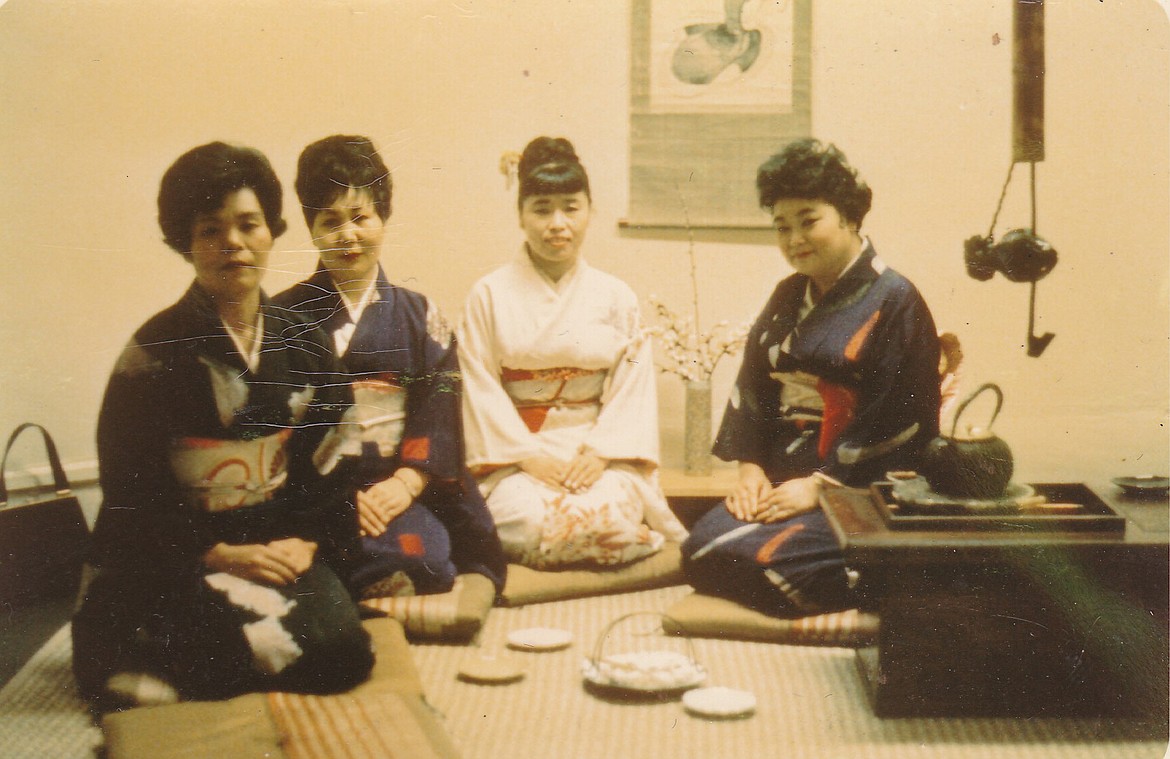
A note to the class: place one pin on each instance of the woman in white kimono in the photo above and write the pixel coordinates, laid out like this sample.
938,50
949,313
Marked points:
559,406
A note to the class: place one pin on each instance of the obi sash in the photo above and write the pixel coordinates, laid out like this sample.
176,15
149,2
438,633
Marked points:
377,416
536,392
222,475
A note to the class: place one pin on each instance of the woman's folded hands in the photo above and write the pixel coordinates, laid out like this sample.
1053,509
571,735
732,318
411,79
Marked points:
277,563
755,499
575,475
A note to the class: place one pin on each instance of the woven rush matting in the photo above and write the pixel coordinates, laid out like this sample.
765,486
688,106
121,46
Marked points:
810,705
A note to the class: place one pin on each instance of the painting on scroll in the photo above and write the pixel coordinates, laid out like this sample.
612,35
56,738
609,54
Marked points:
716,86
721,54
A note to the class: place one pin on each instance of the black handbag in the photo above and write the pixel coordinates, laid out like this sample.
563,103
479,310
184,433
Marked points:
43,535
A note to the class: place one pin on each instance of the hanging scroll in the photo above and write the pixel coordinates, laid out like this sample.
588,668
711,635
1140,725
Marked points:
716,86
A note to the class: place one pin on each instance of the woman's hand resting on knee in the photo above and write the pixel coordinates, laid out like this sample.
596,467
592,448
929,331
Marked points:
277,563
755,499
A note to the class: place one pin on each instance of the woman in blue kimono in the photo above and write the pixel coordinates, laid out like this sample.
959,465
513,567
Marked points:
839,384
219,547
422,519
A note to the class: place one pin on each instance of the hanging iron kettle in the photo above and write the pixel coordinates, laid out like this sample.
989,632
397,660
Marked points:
975,465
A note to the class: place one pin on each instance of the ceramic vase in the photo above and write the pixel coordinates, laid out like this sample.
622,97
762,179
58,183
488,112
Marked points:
697,430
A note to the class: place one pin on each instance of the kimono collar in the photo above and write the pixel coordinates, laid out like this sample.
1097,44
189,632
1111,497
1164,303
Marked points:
335,301
558,286
207,330
865,268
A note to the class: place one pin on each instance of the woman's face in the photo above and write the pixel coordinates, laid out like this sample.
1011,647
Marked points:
554,226
814,238
349,234
230,246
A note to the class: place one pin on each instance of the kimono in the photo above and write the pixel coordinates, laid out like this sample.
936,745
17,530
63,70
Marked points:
400,359
555,369
195,448
848,387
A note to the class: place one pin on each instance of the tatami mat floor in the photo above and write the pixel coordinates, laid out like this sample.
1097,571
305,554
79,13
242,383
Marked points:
810,705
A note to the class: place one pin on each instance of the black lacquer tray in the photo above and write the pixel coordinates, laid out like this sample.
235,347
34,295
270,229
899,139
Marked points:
1084,511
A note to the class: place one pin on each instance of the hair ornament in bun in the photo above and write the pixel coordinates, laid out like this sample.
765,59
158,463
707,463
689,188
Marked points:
510,167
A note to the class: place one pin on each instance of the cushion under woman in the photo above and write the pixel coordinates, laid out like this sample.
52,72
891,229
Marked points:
422,518
218,545
839,384
560,410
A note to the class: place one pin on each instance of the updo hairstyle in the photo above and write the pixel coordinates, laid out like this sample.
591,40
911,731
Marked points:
811,170
202,178
329,167
549,166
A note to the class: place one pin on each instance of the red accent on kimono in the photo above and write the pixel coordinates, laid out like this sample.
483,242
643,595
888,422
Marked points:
768,550
840,410
416,448
855,344
411,544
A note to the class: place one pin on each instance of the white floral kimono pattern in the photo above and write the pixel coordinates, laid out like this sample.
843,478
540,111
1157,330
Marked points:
555,369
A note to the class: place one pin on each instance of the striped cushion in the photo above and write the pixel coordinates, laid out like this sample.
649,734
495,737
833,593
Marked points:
390,726
383,717
456,615
709,617
529,586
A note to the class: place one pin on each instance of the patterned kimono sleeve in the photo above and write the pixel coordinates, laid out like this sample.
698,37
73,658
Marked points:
743,433
627,425
898,407
332,518
495,434
431,440
145,525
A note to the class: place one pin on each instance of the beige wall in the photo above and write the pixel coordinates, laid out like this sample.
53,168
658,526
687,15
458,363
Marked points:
99,97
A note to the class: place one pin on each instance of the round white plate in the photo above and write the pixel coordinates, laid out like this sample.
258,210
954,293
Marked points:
539,639
719,702
490,670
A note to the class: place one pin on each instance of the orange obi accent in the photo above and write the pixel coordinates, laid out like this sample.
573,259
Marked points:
548,392
220,475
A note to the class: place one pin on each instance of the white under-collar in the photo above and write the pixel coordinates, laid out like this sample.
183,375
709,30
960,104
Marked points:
249,350
358,306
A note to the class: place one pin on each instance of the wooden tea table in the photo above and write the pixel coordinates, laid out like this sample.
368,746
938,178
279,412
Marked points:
982,623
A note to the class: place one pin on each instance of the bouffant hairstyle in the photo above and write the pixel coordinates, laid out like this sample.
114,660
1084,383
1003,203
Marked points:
811,170
199,181
549,166
329,167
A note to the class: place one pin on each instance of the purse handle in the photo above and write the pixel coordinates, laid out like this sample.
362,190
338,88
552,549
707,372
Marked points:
60,482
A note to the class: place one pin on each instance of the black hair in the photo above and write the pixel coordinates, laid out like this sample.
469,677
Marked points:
329,167
549,166
811,170
199,181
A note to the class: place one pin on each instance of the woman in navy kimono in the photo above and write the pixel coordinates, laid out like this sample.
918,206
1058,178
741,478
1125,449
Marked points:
422,519
839,384
219,547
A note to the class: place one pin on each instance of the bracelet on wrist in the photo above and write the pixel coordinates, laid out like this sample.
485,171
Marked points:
409,489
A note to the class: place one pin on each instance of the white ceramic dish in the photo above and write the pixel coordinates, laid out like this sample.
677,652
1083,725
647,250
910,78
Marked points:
1147,485
539,639
719,702
490,670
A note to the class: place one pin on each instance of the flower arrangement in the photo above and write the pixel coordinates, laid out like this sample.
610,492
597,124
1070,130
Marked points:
687,351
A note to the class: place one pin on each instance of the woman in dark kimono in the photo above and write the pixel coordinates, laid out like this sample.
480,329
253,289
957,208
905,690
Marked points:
218,545
839,384
422,519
